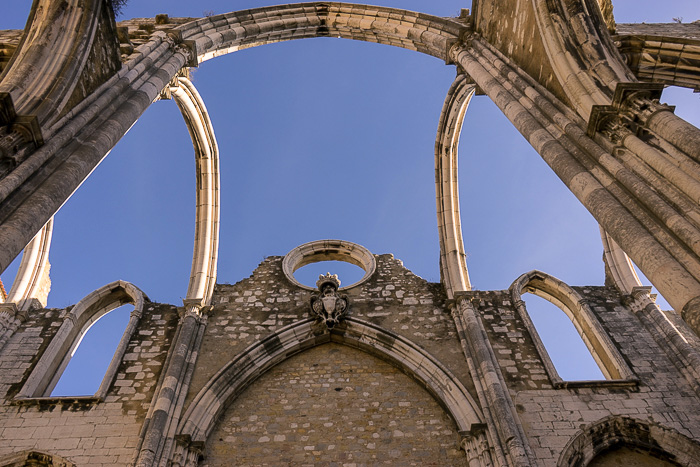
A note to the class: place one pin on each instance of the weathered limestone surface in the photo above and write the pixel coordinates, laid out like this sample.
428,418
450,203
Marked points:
552,416
334,404
84,430
552,67
516,35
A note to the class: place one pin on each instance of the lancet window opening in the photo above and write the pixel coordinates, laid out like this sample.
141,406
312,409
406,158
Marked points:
609,360
76,323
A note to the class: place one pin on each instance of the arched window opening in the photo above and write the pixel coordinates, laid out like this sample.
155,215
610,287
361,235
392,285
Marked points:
87,363
583,326
569,353
77,323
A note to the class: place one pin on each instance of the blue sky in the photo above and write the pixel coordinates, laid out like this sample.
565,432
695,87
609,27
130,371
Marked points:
324,138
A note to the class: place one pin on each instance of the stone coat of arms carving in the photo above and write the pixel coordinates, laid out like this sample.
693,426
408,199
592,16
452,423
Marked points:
328,305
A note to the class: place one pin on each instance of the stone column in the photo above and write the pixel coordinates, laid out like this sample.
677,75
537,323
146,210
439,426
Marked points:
169,397
508,435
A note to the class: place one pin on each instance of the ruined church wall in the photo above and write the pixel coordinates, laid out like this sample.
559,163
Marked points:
551,415
83,430
393,298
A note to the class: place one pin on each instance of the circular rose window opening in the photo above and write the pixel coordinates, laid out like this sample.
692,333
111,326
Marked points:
352,263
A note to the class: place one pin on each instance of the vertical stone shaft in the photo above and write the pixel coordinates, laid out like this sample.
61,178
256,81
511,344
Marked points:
508,428
168,393
678,347
676,131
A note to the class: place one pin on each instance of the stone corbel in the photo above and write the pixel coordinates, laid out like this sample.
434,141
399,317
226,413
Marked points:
21,129
194,307
633,104
187,452
167,92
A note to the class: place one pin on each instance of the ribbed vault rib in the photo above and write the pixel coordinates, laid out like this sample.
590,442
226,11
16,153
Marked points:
453,258
206,153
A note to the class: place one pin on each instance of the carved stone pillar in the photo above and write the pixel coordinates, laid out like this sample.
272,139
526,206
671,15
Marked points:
510,442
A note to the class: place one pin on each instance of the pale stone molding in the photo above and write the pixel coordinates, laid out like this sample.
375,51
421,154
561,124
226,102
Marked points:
32,283
617,431
453,257
328,250
76,323
206,151
601,347
476,447
619,264
201,417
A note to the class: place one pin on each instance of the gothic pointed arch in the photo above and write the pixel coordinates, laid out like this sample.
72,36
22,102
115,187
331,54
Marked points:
589,328
657,442
201,416
453,257
104,116
206,153
55,358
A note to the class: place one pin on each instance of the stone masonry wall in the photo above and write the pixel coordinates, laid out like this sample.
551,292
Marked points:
334,405
84,430
393,298
552,416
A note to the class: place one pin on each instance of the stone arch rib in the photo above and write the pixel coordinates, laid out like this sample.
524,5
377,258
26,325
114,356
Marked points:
617,431
206,153
223,34
231,380
619,265
32,279
453,258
